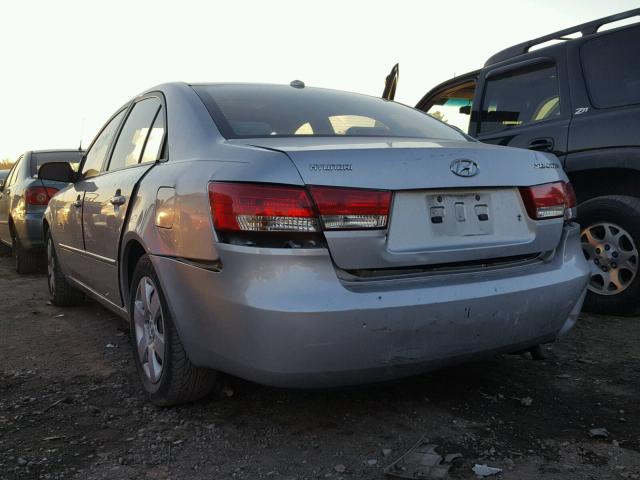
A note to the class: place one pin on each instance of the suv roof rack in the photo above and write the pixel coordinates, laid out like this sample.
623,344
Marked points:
588,28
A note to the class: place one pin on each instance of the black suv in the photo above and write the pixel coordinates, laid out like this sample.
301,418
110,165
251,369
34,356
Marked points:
575,93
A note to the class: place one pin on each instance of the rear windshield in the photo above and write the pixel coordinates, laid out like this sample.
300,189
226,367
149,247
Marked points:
250,111
38,159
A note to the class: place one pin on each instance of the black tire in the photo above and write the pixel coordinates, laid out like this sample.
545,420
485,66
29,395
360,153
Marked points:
622,211
61,292
5,250
179,381
25,261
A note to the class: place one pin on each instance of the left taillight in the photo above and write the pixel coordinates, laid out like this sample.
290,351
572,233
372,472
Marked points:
251,207
550,200
39,196
261,208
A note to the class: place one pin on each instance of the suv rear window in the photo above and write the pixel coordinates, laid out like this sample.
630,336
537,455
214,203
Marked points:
520,97
611,68
250,111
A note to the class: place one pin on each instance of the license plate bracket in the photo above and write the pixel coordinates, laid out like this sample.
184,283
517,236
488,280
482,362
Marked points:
452,213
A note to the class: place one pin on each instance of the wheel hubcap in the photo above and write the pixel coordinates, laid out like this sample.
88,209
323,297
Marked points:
51,263
149,329
612,256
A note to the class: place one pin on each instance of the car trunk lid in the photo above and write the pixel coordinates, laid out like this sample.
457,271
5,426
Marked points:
453,202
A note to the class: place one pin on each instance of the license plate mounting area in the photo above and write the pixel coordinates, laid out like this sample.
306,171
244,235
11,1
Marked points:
458,214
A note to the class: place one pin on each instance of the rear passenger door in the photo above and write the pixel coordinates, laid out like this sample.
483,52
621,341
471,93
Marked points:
137,148
525,105
66,207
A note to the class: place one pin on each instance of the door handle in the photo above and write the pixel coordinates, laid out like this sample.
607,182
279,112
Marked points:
118,200
541,144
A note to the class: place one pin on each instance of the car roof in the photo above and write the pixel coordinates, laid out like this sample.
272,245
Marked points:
587,29
172,85
56,150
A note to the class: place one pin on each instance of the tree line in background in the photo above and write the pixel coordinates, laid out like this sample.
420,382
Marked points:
6,164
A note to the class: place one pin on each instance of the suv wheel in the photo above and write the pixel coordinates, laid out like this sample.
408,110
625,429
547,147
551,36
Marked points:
610,240
167,374
25,261
61,292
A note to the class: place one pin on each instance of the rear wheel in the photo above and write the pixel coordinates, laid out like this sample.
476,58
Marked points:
5,250
168,376
25,261
610,241
61,292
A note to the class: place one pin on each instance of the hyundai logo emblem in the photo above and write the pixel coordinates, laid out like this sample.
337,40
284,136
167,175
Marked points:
463,167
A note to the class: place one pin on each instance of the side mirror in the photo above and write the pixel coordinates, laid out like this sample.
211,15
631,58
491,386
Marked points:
466,110
57,172
2,184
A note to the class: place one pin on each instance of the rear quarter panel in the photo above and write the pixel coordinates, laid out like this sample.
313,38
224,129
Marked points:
185,198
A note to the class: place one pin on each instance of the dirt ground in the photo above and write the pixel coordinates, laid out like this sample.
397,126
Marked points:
71,407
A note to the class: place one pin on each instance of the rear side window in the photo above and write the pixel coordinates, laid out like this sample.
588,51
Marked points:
134,133
611,68
250,111
153,148
520,97
97,153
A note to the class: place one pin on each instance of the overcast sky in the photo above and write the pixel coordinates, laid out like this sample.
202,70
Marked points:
66,66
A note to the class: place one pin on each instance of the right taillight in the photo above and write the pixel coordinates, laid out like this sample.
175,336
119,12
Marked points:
351,208
254,207
549,200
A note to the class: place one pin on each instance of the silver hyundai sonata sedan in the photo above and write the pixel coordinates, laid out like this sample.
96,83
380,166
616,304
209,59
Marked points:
304,237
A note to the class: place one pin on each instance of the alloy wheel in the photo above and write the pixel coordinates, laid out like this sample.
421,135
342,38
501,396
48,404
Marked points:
612,256
149,329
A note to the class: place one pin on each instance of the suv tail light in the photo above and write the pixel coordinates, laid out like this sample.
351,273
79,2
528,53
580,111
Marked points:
39,195
550,200
274,208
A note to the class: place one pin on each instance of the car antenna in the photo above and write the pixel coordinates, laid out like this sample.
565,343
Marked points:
81,133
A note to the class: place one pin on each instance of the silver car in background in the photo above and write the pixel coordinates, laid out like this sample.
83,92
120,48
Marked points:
23,199
303,237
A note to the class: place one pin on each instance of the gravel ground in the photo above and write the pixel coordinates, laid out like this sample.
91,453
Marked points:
71,407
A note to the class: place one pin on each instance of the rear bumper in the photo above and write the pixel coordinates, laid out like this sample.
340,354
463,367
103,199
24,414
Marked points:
29,230
282,317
